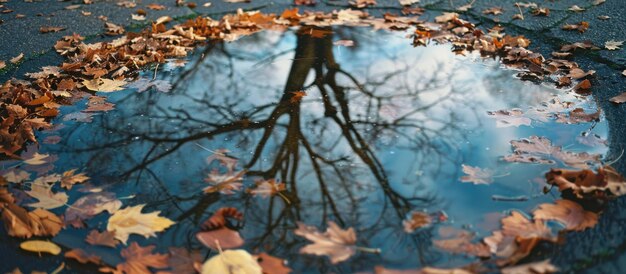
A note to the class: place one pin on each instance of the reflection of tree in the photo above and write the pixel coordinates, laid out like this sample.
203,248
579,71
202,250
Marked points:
334,146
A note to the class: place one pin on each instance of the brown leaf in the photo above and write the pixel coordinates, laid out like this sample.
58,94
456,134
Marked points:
140,259
267,188
571,214
460,242
21,223
226,183
98,104
91,205
3,64
583,87
182,261
336,243
17,59
155,6
619,98
416,219
82,257
585,183
509,118
51,29
539,150
113,29
105,238
223,237
493,11
542,267
359,4
577,116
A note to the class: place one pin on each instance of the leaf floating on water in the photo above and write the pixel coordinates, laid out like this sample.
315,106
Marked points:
619,98
223,237
69,178
416,220
336,243
16,176
219,218
21,223
539,150
37,159
182,261
130,220
140,259
461,242
509,118
477,175
542,267
82,257
267,188
613,45
91,205
571,214
232,261
41,247
104,238
224,183
144,84
104,85
47,198
585,183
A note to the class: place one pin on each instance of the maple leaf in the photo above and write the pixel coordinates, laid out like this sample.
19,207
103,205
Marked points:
83,257
541,151
104,85
45,72
477,175
542,267
336,243
619,98
232,261
297,96
577,116
182,261
221,155
267,188
47,198
130,220
37,159
105,238
16,177
69,178
139,260
97,104
613,45
460,241
415,220
144,84
91,205
226,183
571,214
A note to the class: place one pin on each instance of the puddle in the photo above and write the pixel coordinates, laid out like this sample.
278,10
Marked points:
388,134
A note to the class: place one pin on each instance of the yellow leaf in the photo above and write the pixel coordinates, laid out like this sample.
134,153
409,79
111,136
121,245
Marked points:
41,246
130,220
104,85
37,159
236,261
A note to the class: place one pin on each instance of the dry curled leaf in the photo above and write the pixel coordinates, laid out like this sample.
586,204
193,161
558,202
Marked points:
575,8
619,98
493,11
569,213
580,27
336,243
47,29
130,220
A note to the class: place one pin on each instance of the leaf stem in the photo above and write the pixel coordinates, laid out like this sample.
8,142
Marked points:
368,249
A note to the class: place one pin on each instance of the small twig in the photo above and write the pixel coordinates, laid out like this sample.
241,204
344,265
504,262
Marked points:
520,11
155,72
499,198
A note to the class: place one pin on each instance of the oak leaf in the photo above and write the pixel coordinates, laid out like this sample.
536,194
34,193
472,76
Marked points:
47,198
104,238
130,220
139,260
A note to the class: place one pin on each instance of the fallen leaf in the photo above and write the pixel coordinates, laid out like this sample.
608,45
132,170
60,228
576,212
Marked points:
113,29
51,29
105,238
17,59
41,246
224,183
542,267
72,7
607,182
518,225
95,104
47,198
619,98
139,260
69,179
446,17
576,8
155,6
37,159
137,17
16,177
296,96
604,17
271,264
104,85
83,257
336,243
88,206
416,220
224,238
613,45
541,11
493,11
598,2
362,3
3,64
509,118
477,175
267,188
578,116
21,223
232,261
569,213
182,261
460,242
130,220
539,150
408,2
580,27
